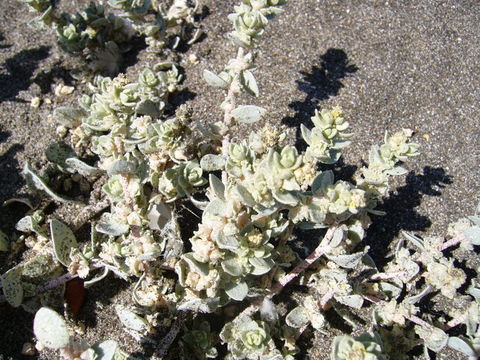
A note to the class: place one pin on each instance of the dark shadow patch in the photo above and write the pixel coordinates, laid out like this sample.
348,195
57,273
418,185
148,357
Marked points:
17,72
181,97
401,214
100,294
130,57
320,83
341,171
3,46
16,330
189,30
4,135
46,79
11,179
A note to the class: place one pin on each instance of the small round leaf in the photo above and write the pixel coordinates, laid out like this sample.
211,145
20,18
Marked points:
50,329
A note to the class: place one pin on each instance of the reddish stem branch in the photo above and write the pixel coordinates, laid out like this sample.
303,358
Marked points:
455,241
321,249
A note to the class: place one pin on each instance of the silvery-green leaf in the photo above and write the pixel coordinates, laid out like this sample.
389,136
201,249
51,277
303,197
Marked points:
131,320
30,223
474,219
462,346
337,238
354,301
216,207
248,114
305,225
473,234
322,181
268,311
4,242
232,267
396,171
285,197
211,162
134,141
306,134
201,205
69,117
195,37
12,286
227,242
333,156
207,305
195,265
121,166
58,152
414,239
261,266
38,183
297,318
416,298
237,291
341,144
112,228
165,65
389,289
249,83
214,80
82,168
369,262
217,187
435,339
51,329
245,195
474,291
63,241
24,201
158,216
147,107
38,266
105,350
349,261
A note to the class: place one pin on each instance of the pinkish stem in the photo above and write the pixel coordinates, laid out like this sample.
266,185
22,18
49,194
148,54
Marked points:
278,287
455,241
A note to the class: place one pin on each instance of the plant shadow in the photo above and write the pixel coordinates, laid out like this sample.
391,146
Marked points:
320,83
18,70
400,211
3,46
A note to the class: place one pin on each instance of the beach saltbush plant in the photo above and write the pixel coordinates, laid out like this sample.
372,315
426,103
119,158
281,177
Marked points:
101,33
256,196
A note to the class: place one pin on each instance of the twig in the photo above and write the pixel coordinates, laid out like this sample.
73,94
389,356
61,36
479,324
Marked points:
49,285
168,340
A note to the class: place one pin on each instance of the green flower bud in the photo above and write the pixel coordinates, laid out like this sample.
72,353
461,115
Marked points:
69,32
148,78
239,153
331,123
253,339
113,188
129,95
192,173
248,339
288,159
